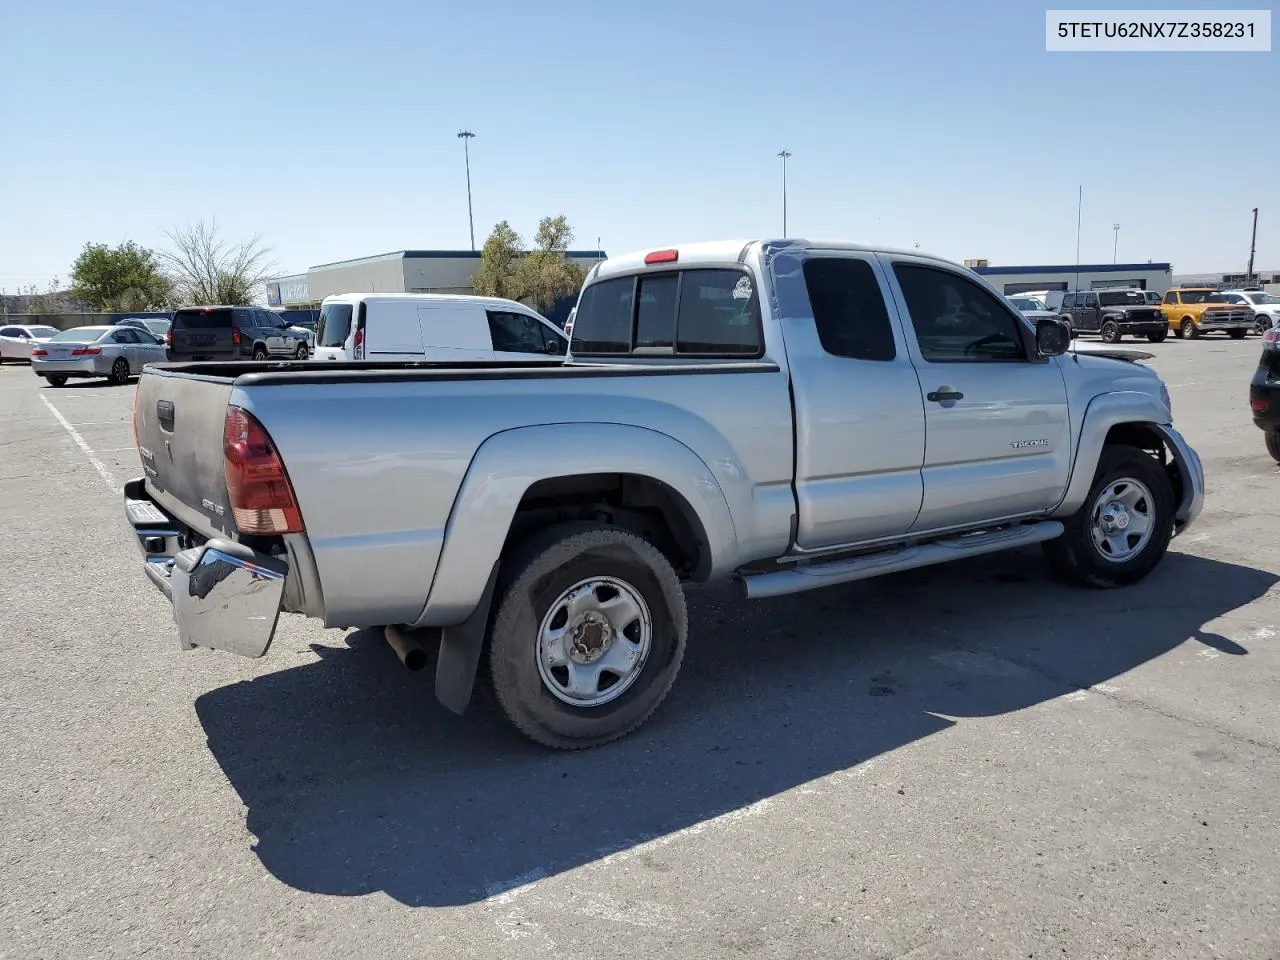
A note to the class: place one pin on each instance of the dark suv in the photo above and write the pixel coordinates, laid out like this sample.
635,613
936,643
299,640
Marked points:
233,333
1113,313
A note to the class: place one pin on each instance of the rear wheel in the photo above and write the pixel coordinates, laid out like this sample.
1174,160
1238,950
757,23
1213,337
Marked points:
1187,329
588,637
120,371
56,379
1123,528
1237,334
1273,444
1158,337
1110,332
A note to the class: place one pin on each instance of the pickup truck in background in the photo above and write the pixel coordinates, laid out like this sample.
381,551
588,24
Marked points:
1192,311
1114,313
787,414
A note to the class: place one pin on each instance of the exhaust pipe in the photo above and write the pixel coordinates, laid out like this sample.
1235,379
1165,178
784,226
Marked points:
411,653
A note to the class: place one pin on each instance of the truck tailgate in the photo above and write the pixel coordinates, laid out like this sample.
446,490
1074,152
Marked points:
179,419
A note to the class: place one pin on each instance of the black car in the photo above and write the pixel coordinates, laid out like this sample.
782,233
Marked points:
1114,313
1264,392
233,333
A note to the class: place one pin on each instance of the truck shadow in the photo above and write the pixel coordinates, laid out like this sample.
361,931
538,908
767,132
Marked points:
357,781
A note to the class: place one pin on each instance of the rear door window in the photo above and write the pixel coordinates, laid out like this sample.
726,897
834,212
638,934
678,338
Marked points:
848,309
334,325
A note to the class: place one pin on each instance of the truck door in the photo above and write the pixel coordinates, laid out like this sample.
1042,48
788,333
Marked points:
998,436
858,411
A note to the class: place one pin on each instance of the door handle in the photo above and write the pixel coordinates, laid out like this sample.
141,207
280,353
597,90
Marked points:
944,396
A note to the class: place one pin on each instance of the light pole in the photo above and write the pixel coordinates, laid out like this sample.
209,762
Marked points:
466,136
1116,245
784,154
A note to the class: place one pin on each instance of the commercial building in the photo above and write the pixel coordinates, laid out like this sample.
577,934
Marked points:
404,271
1085,276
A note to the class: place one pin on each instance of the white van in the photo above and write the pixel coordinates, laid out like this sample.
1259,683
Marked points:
427,326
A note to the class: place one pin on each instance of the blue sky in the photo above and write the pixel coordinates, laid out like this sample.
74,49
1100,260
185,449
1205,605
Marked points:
329,128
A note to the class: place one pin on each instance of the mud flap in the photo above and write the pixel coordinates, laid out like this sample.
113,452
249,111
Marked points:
460,649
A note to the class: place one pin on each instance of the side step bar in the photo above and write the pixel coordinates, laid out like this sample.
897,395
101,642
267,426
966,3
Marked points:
810,575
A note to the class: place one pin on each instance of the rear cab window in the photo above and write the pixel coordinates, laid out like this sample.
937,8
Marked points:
334,325
710,312
201,320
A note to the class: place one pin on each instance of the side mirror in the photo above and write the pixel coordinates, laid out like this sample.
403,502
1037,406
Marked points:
1053,337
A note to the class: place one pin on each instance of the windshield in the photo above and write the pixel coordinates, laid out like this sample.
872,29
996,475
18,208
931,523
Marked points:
1121,298
41,332
79,335
1027,303
1262,299
1200,296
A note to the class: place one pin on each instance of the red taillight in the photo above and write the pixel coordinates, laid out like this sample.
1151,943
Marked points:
1259,404
86,351
662,256
235,336
1271,336
168,338
39,352
357,345
258,488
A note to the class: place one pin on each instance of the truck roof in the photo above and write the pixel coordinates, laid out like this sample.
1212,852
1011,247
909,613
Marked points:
734,251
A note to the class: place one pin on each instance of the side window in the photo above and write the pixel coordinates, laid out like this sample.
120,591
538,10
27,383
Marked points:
1090,301
556,343
1069,302
8,331
603,321
122,336
955,319
719,314
848,309
1170,297
515,333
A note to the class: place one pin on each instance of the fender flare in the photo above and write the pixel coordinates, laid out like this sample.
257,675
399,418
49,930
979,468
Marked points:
508,463
1105,411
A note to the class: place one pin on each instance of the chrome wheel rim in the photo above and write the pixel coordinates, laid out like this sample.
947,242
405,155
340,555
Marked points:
1122,520
594,641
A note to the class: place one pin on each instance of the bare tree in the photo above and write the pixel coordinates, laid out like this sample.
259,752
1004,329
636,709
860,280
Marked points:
205,268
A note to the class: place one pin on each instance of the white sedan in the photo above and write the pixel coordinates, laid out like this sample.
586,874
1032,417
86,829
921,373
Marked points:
116,353
17,340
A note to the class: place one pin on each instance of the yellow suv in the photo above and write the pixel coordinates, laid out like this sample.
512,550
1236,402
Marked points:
1192,311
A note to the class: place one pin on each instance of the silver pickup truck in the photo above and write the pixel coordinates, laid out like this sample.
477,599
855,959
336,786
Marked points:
784,413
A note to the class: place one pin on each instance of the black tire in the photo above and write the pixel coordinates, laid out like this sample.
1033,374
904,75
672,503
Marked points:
119,371
259,353
56,379
1187,329
1237,334
1110,332
1073,555
1261,324
1273,444
301,353
1158,337
531,582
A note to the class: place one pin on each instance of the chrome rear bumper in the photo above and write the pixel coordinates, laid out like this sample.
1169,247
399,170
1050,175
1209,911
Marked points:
225,596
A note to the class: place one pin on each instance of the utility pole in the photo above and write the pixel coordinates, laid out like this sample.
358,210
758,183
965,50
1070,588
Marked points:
1253,247
466,136
784,154
1115,246
1079,214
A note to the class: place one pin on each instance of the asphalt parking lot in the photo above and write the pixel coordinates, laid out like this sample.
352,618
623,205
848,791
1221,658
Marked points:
966,761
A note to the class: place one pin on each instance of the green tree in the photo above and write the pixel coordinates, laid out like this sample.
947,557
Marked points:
546,274
499,262
127,277
205,269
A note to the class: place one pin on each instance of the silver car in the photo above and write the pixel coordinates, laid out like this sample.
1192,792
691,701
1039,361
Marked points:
116,353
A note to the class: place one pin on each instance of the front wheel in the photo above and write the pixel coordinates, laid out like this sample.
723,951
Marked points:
1124,526
56,379
259,353
1261,324
1158,337
1110,332
1273,444
588,637
1237,334
301,352
1187,329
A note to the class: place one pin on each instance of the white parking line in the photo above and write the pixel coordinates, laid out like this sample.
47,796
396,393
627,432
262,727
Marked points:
88,450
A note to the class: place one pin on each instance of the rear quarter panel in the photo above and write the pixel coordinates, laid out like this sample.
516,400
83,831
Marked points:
377,466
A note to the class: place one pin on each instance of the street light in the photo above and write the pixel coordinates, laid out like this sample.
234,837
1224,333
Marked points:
1115,246
466,136
784,154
